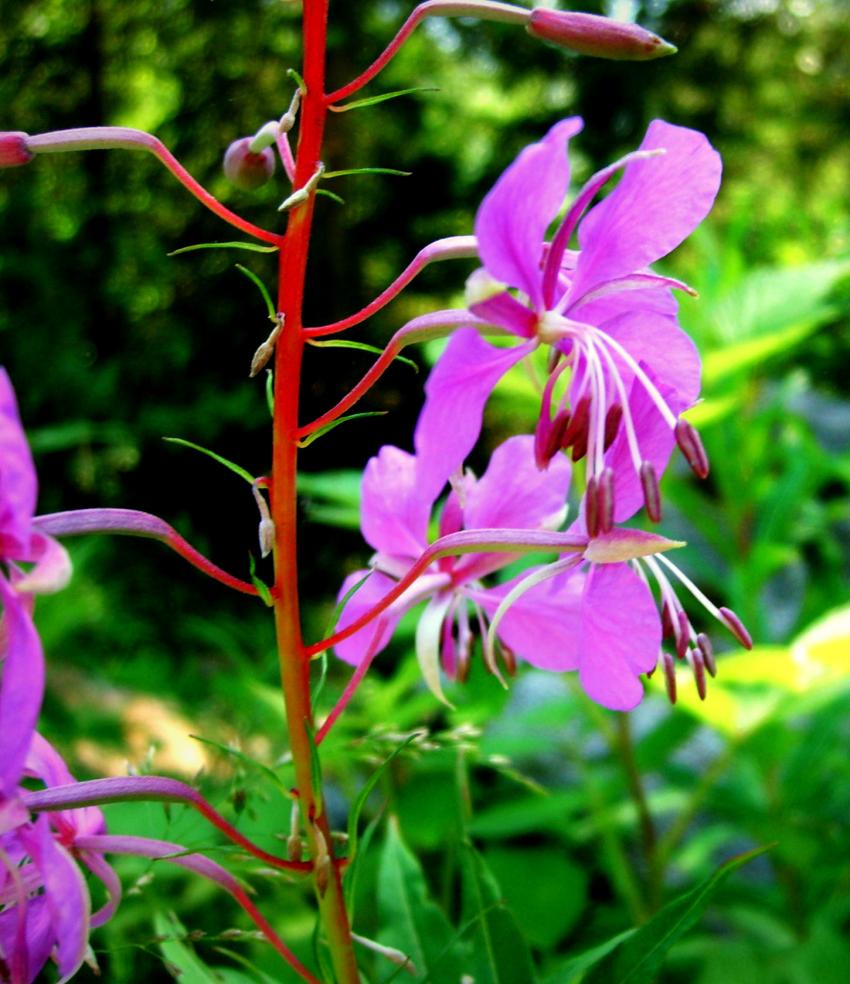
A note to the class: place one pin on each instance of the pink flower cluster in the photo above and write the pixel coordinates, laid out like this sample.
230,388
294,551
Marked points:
627,372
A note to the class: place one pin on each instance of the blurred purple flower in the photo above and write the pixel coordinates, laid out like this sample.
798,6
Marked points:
607,317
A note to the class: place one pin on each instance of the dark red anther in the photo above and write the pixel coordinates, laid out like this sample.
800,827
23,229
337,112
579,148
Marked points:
707,651
669,676
575,435
13,149
736,627
667,630
508,659
691,447
612,423
682,633
548,438
651,492
605,500
699,672
591,507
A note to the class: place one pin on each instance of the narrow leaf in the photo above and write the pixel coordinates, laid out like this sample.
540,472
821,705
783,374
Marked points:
366,170
364,347
307,441
251,247
315,769
261,287
261,586
191,968
363,795
330,194
232,752
236,469
638,959
374,100
270,392
499,952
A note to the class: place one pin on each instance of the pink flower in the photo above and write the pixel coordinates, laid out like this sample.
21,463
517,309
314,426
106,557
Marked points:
606,316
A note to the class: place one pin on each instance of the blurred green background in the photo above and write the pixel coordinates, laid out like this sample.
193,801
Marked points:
112,344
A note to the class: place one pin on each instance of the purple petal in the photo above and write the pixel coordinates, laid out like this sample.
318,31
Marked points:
656,205
661,345
67,896
52,569
353,649
456,393
514,494
394,512
18,487
542,626
620,636
506,311
512,220
22,688
38,939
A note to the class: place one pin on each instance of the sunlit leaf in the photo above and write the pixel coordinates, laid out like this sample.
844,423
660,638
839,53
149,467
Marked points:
366,170
374,100
319,432
251,247
363,346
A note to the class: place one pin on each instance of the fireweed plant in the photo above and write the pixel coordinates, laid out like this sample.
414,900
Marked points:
620,372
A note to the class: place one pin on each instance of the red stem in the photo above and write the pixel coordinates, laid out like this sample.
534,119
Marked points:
294,662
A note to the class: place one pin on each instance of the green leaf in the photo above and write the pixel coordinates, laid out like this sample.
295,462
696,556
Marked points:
410,921
363,346
236,469
270,392
366,170
363,795
499,952
261,586
330,194
319,432
638,958
180,956
315,769
262,289
252,247
374,100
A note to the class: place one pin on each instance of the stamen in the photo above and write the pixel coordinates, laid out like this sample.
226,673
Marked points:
698,667
612,423
591,507
691,447
646,382
736,627
682,631
651,492
575,435
508,658
707,651
605,499
669,676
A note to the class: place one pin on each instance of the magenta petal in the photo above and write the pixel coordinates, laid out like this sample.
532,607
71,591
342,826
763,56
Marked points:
456,393
506,311
514,494
394,512
511,223
657,204
18,486
620,635
353,649
38,938
542,626
67,896
22,688
659,343
45,763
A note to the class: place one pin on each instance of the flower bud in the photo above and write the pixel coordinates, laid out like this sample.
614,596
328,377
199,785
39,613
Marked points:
246,170
589,34
14,150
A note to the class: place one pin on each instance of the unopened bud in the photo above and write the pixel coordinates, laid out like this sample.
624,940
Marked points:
266,533
246,170
601,37
14,150
294,847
